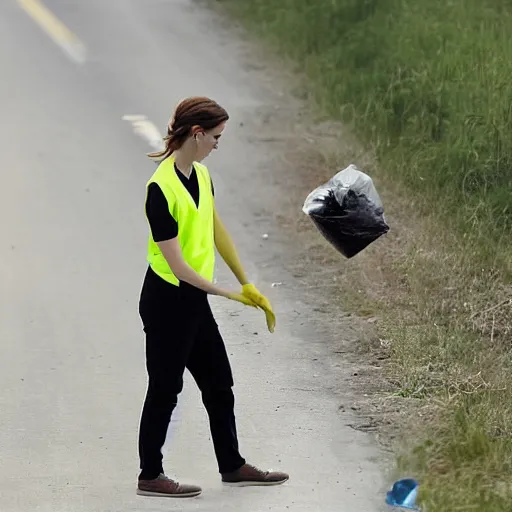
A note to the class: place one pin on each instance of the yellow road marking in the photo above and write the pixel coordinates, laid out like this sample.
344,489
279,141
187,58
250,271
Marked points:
55,29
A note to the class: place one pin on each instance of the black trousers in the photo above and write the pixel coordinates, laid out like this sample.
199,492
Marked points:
181,333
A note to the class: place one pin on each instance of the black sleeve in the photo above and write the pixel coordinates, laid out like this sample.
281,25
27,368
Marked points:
162,224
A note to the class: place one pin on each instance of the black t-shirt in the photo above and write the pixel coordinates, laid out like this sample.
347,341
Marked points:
162,224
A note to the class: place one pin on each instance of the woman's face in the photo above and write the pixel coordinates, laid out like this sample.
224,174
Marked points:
208,140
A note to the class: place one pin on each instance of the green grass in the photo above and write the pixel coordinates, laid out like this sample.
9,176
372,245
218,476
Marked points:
427,85
426,82
451,331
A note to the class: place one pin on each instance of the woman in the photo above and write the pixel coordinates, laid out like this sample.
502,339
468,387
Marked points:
180,329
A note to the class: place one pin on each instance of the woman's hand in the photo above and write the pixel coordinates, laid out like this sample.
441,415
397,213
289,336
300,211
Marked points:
239,297
253,294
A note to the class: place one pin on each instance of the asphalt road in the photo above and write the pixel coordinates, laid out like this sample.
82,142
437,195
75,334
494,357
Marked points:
72,258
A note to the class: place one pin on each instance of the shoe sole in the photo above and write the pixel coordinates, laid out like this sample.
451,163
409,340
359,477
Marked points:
254,483
162,495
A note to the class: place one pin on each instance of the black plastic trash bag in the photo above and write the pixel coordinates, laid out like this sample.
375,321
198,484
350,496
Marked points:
347,210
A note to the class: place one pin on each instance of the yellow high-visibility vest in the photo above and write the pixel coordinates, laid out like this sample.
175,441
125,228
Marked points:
195,224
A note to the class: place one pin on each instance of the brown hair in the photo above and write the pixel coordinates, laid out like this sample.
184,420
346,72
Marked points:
194,111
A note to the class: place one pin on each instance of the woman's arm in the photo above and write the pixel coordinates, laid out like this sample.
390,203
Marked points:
183,271
164,229
227,249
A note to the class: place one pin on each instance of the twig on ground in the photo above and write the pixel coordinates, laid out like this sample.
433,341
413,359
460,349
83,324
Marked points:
492,308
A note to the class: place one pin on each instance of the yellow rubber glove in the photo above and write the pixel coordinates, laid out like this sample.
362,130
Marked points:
242,298
251,292
227,249
250,295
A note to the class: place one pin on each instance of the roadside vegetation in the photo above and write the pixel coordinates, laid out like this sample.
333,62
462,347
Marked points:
426,86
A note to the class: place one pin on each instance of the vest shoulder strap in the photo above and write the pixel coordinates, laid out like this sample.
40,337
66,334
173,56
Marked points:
201,168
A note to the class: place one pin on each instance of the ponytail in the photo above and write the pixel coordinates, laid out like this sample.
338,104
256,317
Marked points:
173,141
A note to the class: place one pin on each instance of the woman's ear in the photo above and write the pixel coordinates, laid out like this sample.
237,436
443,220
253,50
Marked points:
196,129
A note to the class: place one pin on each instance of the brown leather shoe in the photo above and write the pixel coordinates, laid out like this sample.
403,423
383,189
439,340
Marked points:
167,488
249,475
